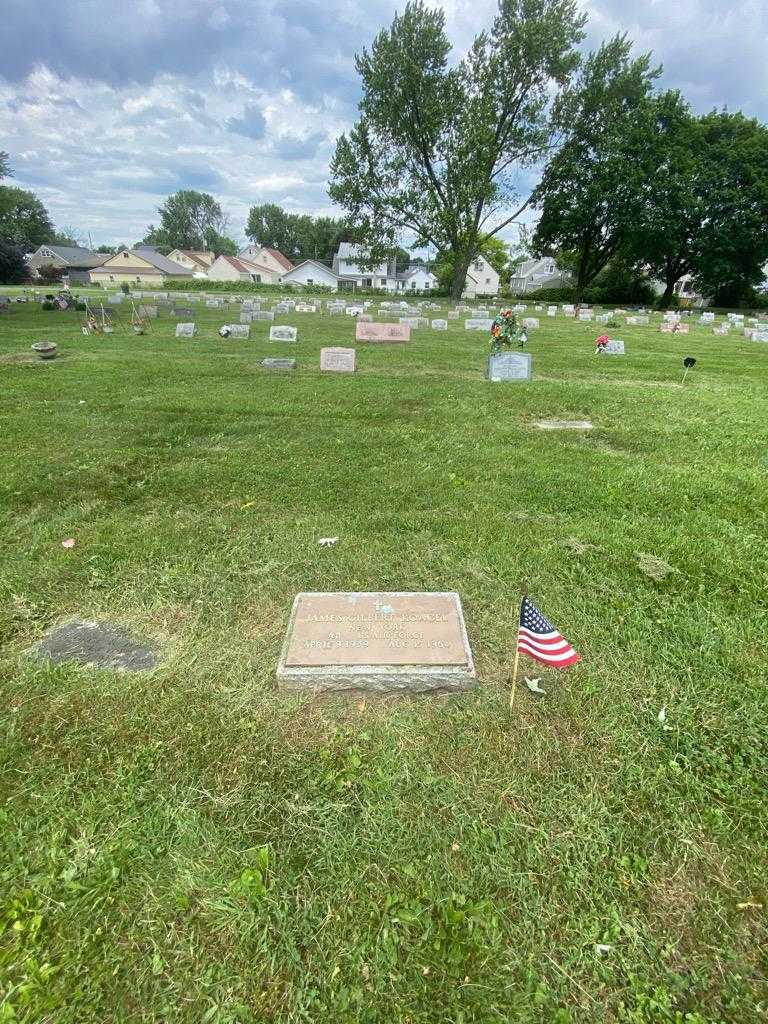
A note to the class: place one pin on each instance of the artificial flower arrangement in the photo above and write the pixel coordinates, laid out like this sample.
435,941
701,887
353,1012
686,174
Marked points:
505,331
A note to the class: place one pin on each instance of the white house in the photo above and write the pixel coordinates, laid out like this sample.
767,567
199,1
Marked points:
273,259
416,279
234,268
350,273
482,279
531,275
309,273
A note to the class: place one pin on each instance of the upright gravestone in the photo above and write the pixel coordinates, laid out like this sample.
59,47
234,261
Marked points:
246,316
504,366
239,331
186,330
439,325
263,315
478,324
283,333
613,348
148,312
337,360
379,642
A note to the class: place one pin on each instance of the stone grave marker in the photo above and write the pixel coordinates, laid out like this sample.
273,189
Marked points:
213,303
585,315
263,315
478,324
439,325
246,316
551,310
150,312
383,334
182,311
338,360
283,333
279,364
365,318
98,645
563,424
613,348
115,300
354,310
454,314
531,323
638,321
376,642
239,331
509,366
707,318
759,335
186,330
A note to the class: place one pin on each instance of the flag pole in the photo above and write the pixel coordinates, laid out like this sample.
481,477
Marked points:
524,593
685,375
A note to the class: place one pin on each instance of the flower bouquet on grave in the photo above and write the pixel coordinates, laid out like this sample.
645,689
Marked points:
505,331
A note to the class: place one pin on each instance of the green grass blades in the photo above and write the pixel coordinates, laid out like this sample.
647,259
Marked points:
190,846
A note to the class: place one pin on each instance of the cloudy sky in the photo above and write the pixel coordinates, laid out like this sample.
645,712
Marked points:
106,108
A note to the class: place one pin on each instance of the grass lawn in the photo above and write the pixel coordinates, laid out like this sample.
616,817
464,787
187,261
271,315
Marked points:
189,845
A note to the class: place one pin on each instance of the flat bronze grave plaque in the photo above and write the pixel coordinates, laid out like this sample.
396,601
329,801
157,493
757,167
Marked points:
382,642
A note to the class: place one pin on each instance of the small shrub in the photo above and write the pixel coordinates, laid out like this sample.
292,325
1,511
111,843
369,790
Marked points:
125,288
49,304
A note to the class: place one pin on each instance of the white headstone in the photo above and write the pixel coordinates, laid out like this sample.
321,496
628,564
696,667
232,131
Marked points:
186,330
509,366
283,333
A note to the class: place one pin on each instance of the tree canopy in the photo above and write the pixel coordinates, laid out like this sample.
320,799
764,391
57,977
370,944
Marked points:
298,236
438,149
191,220
24,221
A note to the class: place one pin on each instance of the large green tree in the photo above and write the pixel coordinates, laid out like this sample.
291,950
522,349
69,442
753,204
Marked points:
592,188
24,221
298,236
492,248
439,147
13,266
188,220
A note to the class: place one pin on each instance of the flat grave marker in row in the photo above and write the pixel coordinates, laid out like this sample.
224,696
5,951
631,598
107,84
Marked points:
478,324
376,642
503,366
279,364
186,330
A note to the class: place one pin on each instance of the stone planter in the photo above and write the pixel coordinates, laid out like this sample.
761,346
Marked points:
45,349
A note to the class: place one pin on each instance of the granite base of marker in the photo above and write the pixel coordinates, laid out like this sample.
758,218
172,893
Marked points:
374,679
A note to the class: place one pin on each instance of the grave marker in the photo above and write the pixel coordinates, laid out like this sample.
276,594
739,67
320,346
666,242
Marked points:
379,642
279,364
478,324
186,330
439,325
383,334
338,360
504,366
283,333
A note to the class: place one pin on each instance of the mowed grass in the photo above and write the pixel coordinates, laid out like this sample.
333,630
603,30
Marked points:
190,845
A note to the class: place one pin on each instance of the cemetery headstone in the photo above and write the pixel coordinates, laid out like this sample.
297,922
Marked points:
478,324
530,323
263,315
279,364
379,642
239,331
338,360
439,325
283,334
149,312
186,330
383,333
504,366
613,348
96,644
182,311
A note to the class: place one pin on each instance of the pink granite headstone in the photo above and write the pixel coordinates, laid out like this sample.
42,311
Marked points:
383,334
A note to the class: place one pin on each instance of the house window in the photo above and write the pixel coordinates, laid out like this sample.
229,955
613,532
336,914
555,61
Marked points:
310,281
111,277
478,264
487,280
413,285
125,255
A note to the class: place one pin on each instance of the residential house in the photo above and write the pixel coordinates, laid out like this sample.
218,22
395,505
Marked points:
198,262
273,259
351,273
416,279
482,279
142,265
530,275
309,273
74,262
235,268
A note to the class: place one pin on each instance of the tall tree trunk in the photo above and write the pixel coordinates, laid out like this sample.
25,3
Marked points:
460,268
666,298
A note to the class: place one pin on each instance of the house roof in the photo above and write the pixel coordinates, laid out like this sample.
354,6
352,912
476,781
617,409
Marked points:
284,262
413,270
322,266
243,266
74,256
195,257
156,259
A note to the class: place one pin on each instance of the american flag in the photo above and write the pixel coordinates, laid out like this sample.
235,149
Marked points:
539,639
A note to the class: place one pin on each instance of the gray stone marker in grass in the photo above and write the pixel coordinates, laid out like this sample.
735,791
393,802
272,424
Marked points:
504,366
262,315
283,333
279,364
246,316
99,645
150,312
337,360
613,348
239,331
478,324
376,642
563,424
186,330
439,325
182,311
